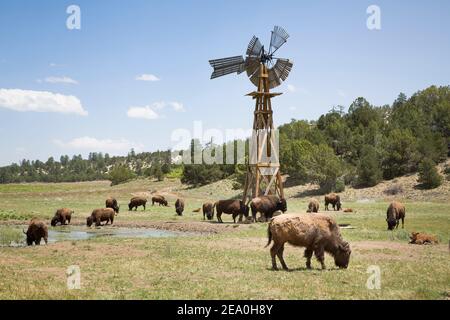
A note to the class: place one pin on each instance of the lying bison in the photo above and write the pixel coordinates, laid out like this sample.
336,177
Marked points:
36,231
208,210
267,205
61,216
112,203
136,202
233,207
160,200
179,206
395,212
313,206
316,232
334,200
99,215
422,238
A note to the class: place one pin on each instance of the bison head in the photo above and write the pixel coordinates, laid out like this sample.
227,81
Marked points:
338,205
130,206
165,203
391,223
89,221
116,209
54,221
282,205
29,238
342,255
244,209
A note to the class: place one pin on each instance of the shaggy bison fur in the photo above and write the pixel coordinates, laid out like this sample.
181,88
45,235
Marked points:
112,203
179,206
61,216
208,210
160,200
316,232
423,238
99,215
313,206
136,202
36,231
395,212
233,207
334,200
267,205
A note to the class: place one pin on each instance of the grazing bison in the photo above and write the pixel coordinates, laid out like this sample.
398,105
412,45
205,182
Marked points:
61,216
335,201
395,212
160,200
316,232
208,210
234,207
99,215
36,231
313,206
179,206
136,202
423,238
267,205
112,203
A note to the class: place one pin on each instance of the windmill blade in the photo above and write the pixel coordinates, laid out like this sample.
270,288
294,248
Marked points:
251,65
279,72
254,78
254,47
278,38
226,66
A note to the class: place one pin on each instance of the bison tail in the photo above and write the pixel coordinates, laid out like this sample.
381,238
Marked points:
269,236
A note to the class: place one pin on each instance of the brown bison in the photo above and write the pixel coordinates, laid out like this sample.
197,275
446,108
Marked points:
36,231
112,203
160,200
62,216
179,206
99,215
395,212
313,206
197,210
267,205
422,238
233,207
316,232
349,210
208,210
335,201
136,202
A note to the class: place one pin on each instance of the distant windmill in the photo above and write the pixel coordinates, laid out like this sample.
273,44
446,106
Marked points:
265,75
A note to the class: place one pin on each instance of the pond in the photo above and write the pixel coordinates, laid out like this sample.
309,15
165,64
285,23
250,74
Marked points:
12,236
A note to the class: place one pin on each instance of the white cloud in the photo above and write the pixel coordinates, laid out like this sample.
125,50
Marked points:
105,145
40,101
341,93
291,88
142,113
147,77
65,80
149,113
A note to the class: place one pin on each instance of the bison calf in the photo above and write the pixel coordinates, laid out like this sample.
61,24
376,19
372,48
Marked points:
112,203
136,202
395,212
99,215
267,205
36,231
233,207
317,233
61,216
208,210
179,206
334,200
313,206
422,238
160,200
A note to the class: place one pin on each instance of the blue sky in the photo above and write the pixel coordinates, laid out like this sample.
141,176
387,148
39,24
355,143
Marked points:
336,59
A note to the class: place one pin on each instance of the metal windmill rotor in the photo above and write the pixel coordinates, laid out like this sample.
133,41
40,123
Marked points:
278,68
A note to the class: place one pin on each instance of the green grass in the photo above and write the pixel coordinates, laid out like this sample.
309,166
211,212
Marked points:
228,265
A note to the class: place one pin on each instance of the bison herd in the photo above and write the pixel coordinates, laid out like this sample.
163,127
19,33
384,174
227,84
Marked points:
317,233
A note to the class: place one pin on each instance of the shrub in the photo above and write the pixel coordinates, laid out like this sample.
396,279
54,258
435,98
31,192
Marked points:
369,169
429,177
393,189
120,174
340,185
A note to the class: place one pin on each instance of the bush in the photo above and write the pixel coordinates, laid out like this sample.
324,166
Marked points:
369,170
429,177
447,171
394,190
340,185
120,174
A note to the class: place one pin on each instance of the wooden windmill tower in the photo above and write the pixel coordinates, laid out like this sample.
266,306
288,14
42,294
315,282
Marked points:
263,166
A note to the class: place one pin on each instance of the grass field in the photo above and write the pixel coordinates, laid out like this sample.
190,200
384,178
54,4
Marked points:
224,262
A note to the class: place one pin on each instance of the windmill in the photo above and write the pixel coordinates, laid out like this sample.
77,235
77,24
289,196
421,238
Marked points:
266,72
